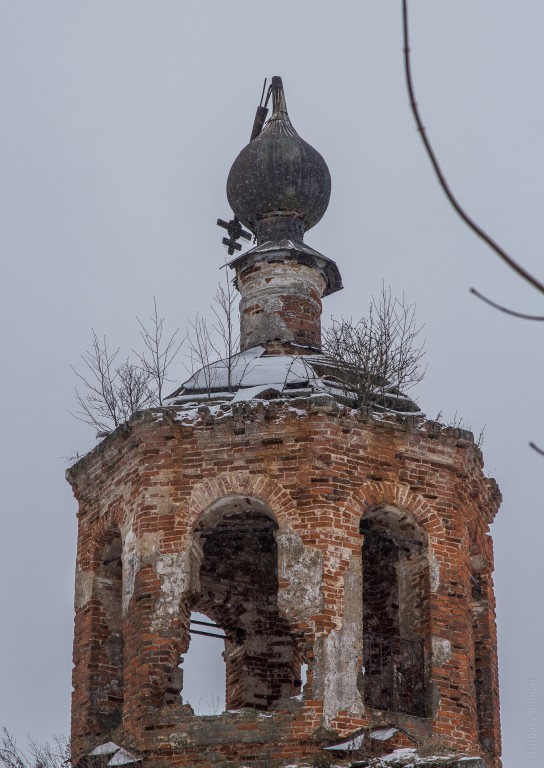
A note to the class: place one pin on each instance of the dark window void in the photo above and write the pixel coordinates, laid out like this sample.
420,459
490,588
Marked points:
395,612
239,592
107,641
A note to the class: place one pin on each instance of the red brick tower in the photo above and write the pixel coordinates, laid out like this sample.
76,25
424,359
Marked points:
311,532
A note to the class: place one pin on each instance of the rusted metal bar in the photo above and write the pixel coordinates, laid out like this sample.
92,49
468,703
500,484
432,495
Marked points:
258,123
207,634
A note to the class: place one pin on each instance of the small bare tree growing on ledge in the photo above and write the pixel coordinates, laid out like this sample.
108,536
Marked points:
378,355
112,391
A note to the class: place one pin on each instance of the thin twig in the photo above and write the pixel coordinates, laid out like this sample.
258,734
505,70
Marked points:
440,175
507,311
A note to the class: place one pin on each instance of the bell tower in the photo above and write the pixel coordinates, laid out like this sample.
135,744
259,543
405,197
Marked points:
350,543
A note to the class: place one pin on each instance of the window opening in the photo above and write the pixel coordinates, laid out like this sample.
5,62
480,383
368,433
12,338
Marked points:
203,667
395,612
238,593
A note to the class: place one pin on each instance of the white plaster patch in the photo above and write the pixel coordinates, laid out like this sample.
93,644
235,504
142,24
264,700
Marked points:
302,568
174,572
136,552
84,588
441,650
479,608
341,652
160,497
434,572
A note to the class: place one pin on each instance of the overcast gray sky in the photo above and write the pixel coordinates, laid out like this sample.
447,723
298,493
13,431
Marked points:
120,120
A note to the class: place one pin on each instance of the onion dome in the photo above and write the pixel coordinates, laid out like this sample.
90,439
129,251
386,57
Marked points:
279,186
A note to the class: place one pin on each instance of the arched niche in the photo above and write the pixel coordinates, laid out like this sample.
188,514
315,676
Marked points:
396,619
107,631
235,583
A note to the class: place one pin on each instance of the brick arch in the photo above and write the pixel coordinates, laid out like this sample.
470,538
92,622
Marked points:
396,595
263,489
374,494
113,518
256,677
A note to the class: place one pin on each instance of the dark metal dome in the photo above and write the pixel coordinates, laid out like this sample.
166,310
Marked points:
279,186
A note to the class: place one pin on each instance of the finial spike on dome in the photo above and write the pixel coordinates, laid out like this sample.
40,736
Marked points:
278,97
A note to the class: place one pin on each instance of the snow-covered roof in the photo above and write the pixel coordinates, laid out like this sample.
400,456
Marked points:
295,249
120,756
254,375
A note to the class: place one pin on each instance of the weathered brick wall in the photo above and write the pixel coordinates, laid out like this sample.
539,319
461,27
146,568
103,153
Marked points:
281,302
315,471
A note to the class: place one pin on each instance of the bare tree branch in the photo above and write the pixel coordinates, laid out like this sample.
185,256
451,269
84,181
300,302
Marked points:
378,357
111,392
521,271
38,755
201,352
506,310
157,356
228,345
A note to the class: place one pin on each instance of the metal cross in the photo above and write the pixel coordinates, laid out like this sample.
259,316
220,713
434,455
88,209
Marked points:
234,228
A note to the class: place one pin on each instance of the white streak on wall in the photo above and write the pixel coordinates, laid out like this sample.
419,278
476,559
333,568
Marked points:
342,647
84,588
302,568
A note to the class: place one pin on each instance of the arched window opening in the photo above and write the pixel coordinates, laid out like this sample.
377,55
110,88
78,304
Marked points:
238,591
395,612
107,653
203,667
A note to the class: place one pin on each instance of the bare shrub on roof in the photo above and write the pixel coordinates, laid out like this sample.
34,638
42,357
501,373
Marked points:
215,341
112,389
55,754
379,356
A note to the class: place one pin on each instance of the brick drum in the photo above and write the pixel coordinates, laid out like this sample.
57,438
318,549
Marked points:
311,533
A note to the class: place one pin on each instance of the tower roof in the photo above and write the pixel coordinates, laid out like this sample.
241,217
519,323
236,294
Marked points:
279,185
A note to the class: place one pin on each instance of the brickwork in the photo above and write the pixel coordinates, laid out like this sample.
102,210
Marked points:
296,530
281,302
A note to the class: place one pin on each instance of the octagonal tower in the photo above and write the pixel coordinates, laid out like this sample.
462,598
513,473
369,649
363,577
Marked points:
349,542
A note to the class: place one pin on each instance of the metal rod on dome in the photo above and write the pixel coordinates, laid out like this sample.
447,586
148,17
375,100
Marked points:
260,116
262,94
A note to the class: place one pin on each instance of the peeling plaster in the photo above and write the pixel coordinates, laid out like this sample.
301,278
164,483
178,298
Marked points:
434,572
174,571
340,660
136,552
302,568
442,650
84,588
160,497
479,608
